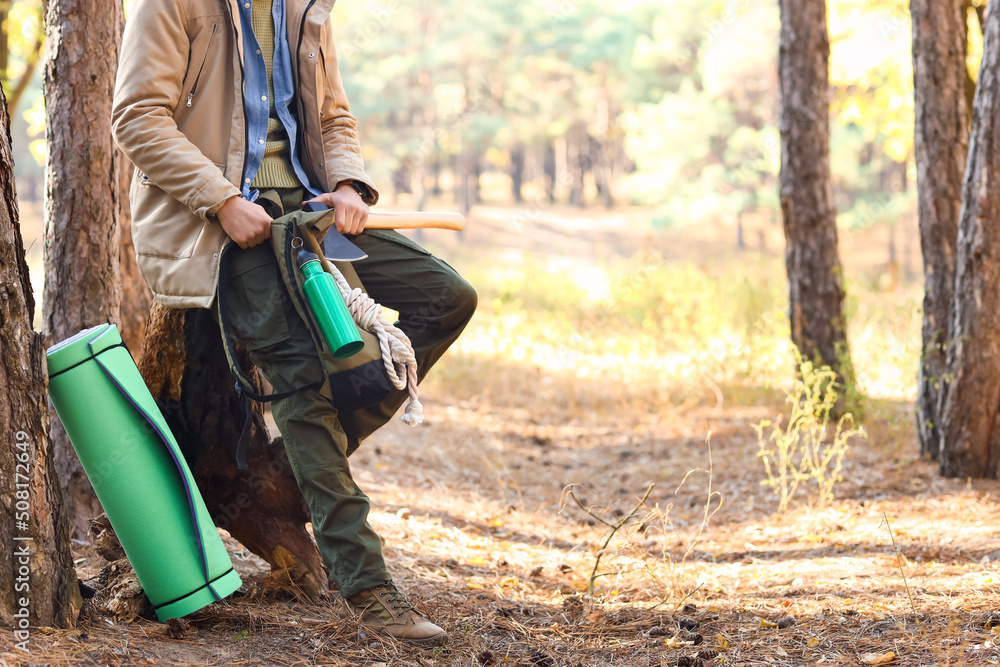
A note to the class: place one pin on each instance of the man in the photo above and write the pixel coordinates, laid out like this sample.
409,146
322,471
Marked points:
217,101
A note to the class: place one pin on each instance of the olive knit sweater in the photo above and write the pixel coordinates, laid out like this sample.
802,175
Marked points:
276,169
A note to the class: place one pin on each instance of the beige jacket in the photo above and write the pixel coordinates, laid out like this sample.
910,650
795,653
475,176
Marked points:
178,116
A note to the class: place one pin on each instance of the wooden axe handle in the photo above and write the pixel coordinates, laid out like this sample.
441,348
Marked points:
452,221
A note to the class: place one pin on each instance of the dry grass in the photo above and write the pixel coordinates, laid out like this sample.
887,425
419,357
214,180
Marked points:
472,505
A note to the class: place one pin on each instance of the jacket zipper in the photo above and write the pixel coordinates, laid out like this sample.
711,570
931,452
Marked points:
201,69
243,102
301,139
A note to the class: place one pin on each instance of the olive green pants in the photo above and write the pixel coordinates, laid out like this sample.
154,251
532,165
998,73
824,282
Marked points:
434,304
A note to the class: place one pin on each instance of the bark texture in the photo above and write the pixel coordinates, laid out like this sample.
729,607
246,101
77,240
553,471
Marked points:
941,145
815,281
32,515
184,366
82,239
970,429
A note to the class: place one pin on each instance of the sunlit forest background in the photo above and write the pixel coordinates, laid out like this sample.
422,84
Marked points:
656,119
671,105
618,165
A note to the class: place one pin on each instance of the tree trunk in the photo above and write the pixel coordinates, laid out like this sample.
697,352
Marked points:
603,154
467,168
436,189
596,162
457,171
562,177
970,440
82,238
477,175
907,228
579,149
816,294
517,173
607,174
39,579
401,180
183,364
941,144
18,88
418,180
549,169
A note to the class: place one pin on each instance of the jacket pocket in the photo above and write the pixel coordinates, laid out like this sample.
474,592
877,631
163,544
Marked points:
193,90
257,301
162,226
322,65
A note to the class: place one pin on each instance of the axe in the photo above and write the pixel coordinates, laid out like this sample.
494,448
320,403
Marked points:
337,247
452,221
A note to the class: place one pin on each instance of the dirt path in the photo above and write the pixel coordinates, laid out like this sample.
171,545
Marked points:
481,531
470,508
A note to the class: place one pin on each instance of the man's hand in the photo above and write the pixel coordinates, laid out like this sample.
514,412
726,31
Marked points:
245,222
351,212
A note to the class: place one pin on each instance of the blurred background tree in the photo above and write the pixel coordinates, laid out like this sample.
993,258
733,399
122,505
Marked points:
940,42
812,257
574,102
22,43
22,37
667,112
670,106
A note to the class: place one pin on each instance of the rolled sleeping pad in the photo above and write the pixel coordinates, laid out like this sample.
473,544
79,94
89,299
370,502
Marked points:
139,473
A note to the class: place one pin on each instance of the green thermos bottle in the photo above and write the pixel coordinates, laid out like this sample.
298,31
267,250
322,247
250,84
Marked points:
328,307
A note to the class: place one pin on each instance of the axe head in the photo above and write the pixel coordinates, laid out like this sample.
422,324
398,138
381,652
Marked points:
336,247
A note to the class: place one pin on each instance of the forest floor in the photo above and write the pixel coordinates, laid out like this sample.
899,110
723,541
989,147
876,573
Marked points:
482,532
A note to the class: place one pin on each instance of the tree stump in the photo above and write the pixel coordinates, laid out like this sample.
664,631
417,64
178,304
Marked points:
118,591
184,365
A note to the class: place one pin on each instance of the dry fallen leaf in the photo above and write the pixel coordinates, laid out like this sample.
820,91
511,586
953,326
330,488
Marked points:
878,658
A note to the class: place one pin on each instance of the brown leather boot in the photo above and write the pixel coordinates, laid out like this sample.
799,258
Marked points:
386,611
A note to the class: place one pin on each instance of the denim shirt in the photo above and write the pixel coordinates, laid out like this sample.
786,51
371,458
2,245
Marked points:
255,96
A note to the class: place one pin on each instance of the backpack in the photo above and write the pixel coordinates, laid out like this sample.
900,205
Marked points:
356,382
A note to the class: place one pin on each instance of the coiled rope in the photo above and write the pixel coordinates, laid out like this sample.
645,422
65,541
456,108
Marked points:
397,352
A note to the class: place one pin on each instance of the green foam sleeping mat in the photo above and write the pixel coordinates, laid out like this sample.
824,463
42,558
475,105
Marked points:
139,473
